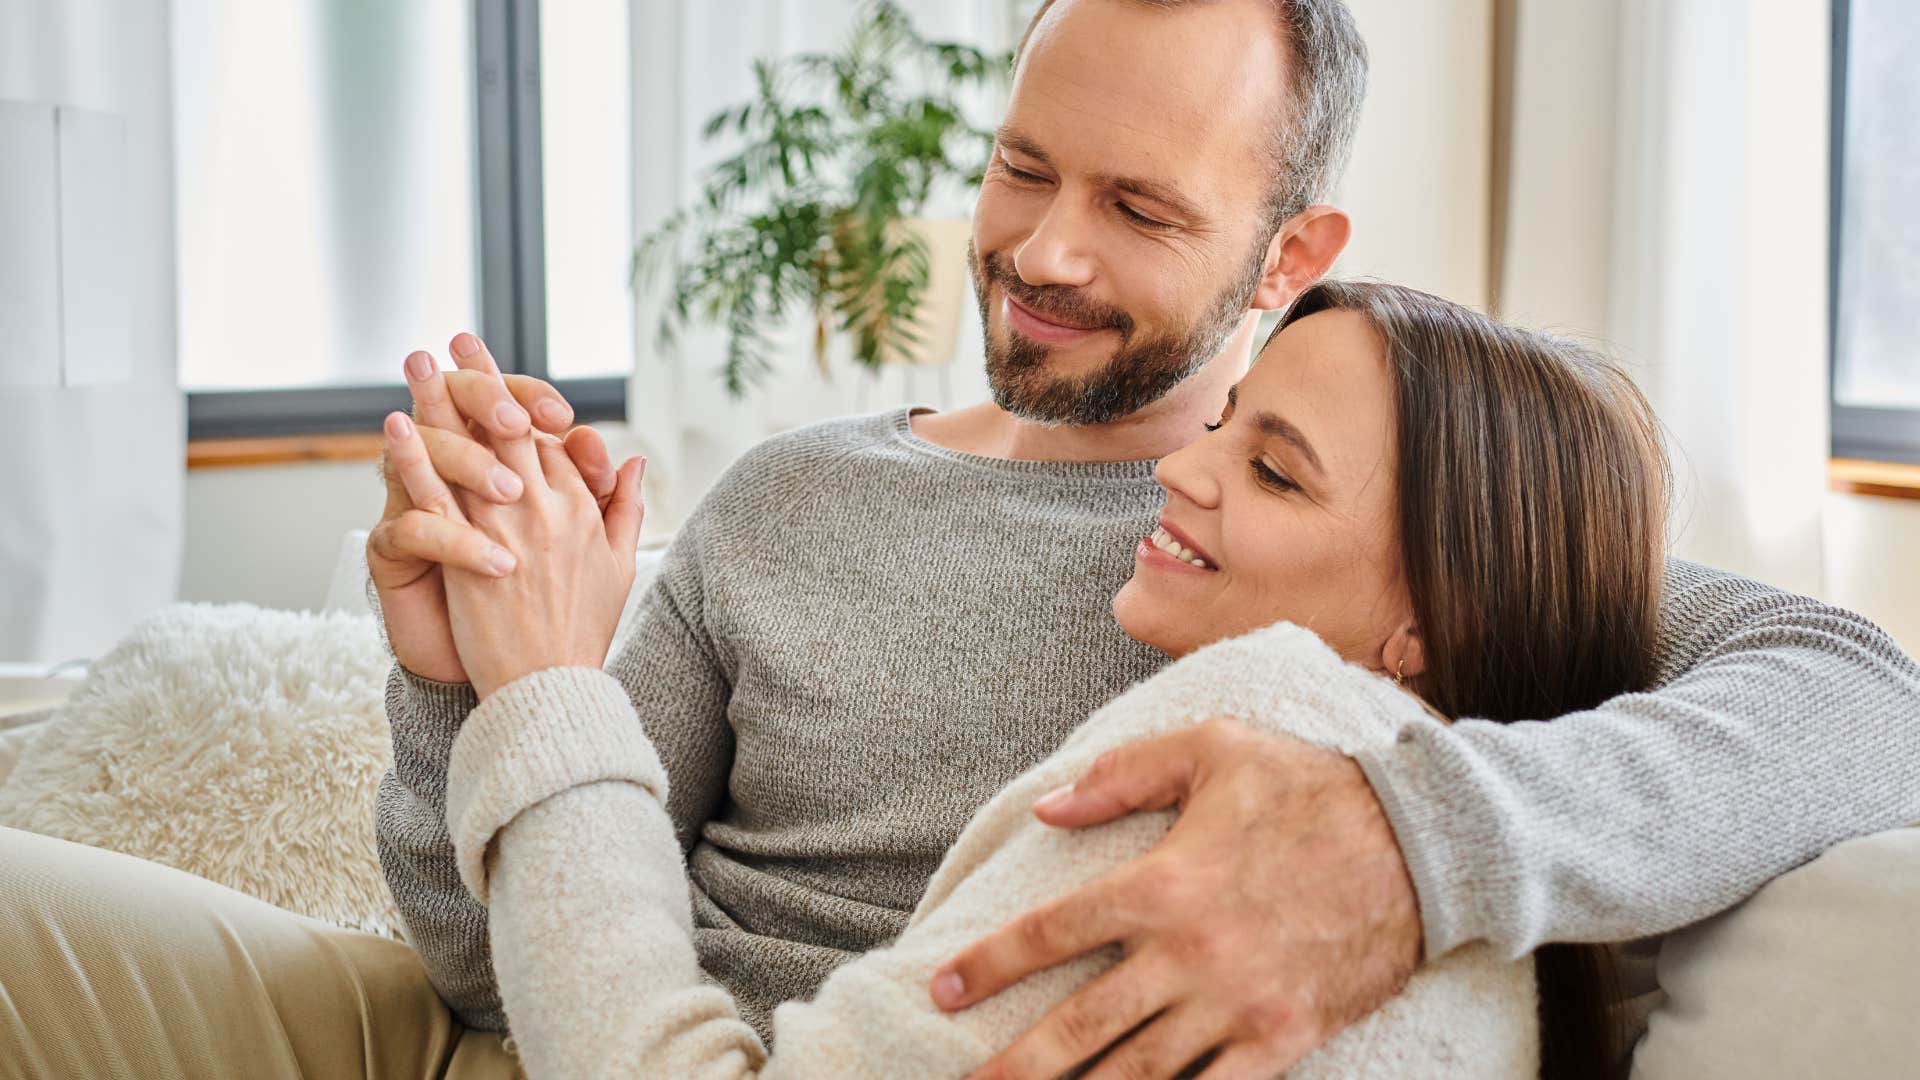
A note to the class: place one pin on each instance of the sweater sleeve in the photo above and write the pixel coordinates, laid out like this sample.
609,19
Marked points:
444,924
557,809
1780,726
669,667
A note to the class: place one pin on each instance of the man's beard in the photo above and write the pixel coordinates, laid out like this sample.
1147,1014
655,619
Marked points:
1139,373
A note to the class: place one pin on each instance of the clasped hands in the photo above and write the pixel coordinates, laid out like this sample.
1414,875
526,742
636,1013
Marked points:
1276,912
504,548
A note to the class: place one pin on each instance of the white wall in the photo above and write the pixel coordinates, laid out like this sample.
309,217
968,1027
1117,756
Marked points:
91,475
269,534
1418,188
1872,549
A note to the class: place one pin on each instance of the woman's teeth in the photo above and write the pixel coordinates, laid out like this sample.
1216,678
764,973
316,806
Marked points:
1168,544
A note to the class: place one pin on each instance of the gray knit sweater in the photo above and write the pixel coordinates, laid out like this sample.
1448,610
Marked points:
859,637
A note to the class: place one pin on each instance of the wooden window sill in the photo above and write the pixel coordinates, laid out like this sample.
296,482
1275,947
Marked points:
1883,478
282,450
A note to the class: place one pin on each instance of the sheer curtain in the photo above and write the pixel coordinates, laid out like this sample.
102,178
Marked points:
1668,195
691,59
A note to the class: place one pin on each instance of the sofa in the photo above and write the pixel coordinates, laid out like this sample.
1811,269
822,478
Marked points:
221,739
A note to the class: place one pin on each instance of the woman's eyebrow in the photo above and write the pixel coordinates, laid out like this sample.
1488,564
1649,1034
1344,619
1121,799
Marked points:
1279,428
1276,426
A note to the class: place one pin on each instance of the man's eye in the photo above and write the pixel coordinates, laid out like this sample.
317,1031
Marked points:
1141,219
1020,174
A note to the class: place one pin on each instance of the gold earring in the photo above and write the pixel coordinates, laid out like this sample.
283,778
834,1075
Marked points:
1400,674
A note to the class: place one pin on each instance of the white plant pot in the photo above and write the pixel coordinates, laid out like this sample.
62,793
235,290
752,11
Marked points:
937,320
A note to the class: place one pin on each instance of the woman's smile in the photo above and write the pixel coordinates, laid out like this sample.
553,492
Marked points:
1168,548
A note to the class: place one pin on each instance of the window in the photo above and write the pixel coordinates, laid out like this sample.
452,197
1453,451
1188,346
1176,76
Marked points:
356,181
1876,231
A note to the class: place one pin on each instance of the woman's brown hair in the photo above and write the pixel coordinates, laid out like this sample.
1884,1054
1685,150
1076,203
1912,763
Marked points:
1532,495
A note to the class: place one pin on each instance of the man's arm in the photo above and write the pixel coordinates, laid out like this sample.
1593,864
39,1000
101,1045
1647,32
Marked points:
669,669
1780,727
444,924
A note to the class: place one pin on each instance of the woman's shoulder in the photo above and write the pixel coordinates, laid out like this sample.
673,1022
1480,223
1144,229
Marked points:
1281,678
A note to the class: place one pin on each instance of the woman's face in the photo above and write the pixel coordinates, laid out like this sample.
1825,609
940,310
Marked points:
1286,509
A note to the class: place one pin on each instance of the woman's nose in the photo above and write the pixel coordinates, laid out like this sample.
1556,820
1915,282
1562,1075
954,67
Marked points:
1189,473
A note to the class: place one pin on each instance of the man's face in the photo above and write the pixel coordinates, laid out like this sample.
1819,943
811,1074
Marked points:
1117,240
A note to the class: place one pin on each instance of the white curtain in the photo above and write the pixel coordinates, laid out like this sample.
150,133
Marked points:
1668,195
92,426
692,58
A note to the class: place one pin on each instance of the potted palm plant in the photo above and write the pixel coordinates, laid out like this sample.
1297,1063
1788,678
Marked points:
820,210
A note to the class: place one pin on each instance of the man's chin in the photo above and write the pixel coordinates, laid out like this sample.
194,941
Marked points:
1057,362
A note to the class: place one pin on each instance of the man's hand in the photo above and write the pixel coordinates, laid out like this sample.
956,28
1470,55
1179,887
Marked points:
1276,912
458,414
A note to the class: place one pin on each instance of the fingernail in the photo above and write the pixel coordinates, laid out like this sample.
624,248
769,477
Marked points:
509,414
1055,799
553,413
419,367
948,989
505,481
501,560
400,426
465,344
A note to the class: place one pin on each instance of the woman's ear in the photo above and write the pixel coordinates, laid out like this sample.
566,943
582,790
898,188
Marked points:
1300,254
1404,656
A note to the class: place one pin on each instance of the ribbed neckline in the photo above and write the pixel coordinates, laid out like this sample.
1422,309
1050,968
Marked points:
1078,472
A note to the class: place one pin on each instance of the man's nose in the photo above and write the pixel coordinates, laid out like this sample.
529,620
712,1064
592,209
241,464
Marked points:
1058,251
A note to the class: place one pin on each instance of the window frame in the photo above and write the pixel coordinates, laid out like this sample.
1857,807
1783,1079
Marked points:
1857,431
512,242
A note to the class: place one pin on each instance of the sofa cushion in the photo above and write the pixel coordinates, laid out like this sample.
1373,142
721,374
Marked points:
1817,974
241,744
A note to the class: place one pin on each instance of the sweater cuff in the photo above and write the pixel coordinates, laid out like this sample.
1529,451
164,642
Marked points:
531,739
1400,773
422,718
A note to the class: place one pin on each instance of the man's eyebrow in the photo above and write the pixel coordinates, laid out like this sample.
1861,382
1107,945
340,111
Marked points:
1277,427
1164,194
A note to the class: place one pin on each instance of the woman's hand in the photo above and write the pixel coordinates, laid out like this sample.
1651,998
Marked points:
560,604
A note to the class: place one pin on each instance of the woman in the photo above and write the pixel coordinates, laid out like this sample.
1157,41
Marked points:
1457,511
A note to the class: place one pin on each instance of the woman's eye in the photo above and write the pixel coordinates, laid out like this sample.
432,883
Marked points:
1215,426
1270,478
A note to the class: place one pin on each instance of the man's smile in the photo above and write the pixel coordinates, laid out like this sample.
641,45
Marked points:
1030,323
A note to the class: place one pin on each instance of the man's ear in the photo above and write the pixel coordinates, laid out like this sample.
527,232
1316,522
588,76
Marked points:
1404,656
1300,254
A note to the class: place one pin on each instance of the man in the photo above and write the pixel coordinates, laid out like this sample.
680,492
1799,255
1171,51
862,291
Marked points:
870,625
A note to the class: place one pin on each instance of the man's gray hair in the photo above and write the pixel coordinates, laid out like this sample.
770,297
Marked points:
1327,84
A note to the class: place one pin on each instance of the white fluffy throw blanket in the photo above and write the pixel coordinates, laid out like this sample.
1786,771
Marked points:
238,743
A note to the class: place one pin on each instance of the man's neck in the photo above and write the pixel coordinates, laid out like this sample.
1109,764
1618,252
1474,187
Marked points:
1149,434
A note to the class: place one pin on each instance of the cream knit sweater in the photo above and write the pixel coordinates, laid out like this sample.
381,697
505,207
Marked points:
556,806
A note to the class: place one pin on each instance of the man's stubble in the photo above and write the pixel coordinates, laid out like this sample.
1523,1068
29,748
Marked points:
1140,371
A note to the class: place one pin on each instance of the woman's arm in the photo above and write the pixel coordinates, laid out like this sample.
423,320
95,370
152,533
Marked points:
555,805
670,669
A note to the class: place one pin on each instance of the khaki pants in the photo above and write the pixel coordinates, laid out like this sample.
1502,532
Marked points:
112,966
